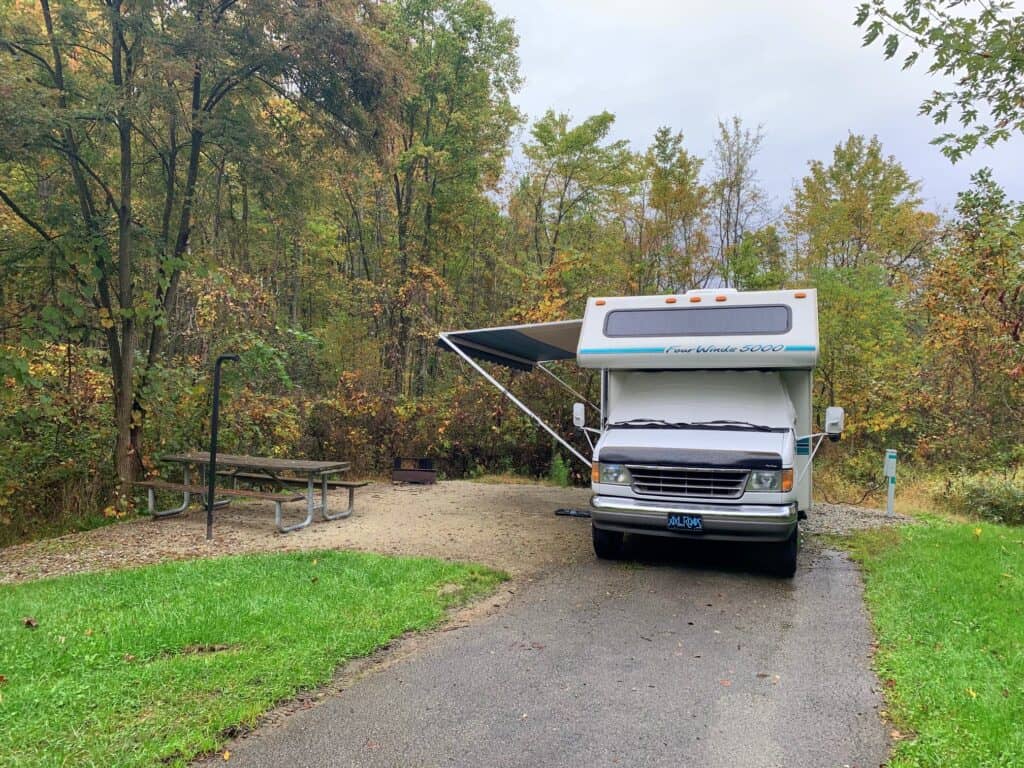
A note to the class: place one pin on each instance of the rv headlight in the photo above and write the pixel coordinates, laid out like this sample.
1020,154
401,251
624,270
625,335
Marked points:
770,480
617,474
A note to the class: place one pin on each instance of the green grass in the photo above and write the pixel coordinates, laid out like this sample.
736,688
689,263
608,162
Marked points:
947,602
152,666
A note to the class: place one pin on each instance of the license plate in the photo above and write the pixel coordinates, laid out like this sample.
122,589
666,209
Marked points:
688,523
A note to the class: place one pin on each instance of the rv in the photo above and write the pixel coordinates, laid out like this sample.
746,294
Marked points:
704,428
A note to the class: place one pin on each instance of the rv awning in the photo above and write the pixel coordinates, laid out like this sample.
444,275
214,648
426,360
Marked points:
519,346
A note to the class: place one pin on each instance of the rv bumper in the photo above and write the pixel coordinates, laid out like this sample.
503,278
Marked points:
738,522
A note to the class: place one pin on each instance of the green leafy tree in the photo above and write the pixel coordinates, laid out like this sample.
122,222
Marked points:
738,201
760,262
867,363
972,398
862,209
448,146
111,106
979,44
574,175
669,218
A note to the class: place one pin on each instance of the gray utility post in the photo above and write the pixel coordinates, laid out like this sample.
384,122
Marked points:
890,479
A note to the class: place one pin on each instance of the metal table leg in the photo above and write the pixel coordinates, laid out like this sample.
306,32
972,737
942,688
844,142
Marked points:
217,503
278,512
347,512
151,498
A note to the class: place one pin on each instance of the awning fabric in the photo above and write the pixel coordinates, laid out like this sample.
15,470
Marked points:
519,346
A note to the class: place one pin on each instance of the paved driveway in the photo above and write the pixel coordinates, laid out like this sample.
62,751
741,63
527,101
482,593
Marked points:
596,664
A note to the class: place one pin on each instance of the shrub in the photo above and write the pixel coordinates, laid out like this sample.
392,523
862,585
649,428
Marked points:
559,472
998,497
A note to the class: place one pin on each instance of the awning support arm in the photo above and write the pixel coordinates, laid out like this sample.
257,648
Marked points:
568,389
518,403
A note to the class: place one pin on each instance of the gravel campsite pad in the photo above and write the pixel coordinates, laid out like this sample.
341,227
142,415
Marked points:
508,526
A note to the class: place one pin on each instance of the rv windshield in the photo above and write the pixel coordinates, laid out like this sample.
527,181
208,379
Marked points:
751,400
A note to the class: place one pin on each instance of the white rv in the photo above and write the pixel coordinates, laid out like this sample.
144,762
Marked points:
704,427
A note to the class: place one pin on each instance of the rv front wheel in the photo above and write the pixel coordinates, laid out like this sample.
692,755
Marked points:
607,544
785,564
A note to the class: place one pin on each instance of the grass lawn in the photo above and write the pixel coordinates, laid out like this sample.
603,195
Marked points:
947,601
151,666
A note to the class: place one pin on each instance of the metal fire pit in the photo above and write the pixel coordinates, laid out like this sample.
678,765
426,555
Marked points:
414,471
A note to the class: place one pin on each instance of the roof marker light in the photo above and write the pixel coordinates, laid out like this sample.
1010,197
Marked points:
695,299
670,300
600,302
719,298
800,295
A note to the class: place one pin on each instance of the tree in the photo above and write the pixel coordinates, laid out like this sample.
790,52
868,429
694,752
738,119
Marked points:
111,107
978,43
448,146
862,209
972,398
738,202
573,174
867,363
759,262
676,244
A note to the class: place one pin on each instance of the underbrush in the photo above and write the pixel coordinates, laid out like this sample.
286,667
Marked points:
994,496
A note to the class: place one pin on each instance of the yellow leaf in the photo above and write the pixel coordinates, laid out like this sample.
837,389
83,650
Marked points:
227,755
977,533
972,693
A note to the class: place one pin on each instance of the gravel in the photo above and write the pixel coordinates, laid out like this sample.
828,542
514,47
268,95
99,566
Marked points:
839,519
509,526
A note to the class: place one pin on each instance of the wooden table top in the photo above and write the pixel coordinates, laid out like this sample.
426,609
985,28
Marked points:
259,462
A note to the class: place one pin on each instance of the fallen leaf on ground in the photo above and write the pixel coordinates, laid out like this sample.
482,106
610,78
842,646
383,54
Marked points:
726,683
29,622
972,693
227,755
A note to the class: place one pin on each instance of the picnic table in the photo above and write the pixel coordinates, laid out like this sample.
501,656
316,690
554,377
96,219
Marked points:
261,471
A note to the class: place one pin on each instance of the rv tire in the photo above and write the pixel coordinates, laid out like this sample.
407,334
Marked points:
607,544
786,556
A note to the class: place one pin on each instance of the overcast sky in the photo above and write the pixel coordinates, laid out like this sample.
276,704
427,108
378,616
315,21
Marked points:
795,66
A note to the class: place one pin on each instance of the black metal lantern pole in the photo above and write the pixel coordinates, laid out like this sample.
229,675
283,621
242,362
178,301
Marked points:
212,467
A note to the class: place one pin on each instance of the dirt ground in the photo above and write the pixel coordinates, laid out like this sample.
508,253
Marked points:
507,526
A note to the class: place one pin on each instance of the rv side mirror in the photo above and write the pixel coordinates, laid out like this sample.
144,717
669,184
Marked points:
579,415
835,418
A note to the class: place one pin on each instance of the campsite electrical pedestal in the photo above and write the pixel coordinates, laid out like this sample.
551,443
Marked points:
890,480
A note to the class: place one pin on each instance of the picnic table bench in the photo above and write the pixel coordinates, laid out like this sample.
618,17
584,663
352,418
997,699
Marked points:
263,471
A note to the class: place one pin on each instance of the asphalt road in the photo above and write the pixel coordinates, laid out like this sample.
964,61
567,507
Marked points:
652,664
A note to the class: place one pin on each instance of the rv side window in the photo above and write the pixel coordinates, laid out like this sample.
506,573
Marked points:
702,321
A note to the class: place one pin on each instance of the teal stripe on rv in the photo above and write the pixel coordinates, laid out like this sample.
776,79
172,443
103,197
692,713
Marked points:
659,350
623,351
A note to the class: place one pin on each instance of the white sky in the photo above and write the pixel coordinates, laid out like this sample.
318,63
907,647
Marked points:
796,66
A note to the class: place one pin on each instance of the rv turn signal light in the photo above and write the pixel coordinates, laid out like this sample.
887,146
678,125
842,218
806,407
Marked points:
595,472
787,480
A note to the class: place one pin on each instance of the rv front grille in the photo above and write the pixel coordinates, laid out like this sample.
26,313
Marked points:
688,481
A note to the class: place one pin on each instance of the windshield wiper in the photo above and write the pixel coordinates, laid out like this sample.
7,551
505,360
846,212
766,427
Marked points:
651,423
728,422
